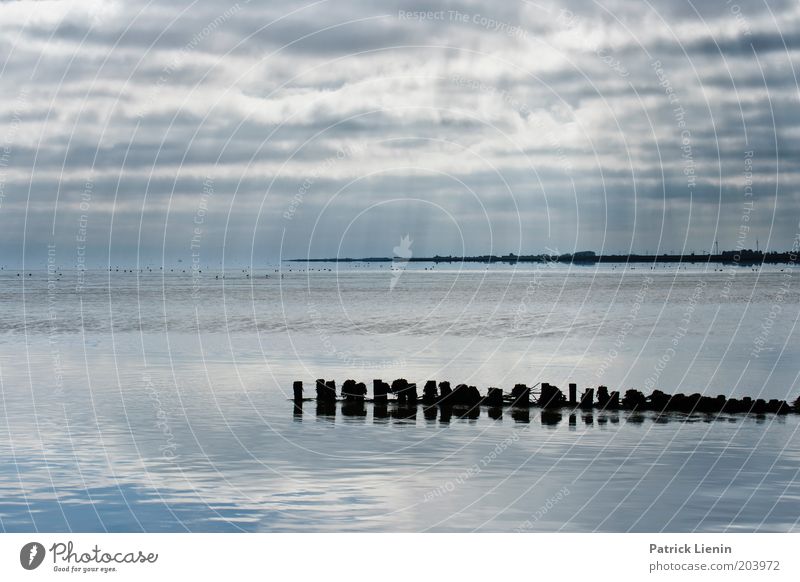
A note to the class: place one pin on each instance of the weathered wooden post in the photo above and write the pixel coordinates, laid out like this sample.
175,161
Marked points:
473,397
349,389
411,391
778,406
602,396
550,396
747,404
430,392
573,394
297,388
659,401
544,392
360,392
321,390
494,397
521,395
719,403
634,400
444,392
326,398
459,395
379,391
399,387
330,390
587,398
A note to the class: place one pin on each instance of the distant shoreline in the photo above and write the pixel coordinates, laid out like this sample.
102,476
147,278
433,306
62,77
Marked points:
742,257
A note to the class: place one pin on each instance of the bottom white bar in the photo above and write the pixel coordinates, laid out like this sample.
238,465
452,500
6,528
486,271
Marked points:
396,557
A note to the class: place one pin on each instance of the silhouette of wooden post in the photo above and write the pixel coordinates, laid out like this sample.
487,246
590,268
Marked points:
545,394
551,396
321,390
602,396
349,389
778,406
330,391
473,397
747,404
494,397
354,394
429,392
633,399
400,390
459,395
411,391
444,392
360,392
380,391
326,398
521,395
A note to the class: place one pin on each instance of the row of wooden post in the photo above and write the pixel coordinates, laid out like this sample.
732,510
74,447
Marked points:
550,396
406,393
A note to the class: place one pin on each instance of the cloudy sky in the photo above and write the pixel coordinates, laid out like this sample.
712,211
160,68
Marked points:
148,131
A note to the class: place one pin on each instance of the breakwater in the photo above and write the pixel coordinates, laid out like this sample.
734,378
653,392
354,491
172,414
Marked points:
403,393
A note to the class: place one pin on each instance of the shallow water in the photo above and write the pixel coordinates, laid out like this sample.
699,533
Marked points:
157,401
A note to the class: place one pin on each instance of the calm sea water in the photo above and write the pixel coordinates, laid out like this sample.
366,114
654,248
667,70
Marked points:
157,401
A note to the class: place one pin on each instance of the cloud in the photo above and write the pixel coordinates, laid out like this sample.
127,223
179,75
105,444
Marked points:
523,126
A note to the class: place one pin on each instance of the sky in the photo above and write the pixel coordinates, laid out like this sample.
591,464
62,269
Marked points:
146,133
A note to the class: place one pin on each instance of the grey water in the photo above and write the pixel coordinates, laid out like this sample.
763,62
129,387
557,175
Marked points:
157,400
